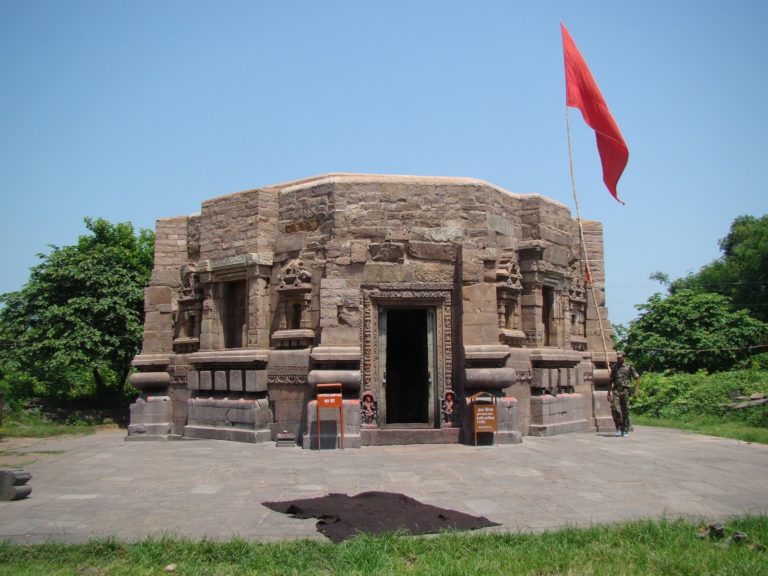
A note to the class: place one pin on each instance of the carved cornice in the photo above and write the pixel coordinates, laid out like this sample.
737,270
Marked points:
287,374
234,356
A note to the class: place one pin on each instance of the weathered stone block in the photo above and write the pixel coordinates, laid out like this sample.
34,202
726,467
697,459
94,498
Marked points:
433,273
358,251
290,242
440,251
236,380
380,272
387,252
500,224
220,380
157,295
255,380
472,267
156,342
558,255
193,380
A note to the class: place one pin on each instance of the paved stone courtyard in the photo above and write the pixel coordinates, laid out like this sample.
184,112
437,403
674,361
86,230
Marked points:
100,485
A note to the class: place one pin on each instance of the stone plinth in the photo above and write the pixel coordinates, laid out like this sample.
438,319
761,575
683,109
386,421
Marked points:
330,426
150,419
508,432
221,419
397,436
559,414
507,427
602,410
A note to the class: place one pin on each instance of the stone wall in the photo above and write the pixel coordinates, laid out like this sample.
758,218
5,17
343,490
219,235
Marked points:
170,256
593,241
315,261
238,224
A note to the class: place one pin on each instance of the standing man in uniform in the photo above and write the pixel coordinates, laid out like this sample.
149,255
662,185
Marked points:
620,391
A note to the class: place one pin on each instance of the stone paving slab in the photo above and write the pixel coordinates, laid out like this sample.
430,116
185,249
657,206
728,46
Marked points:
99,486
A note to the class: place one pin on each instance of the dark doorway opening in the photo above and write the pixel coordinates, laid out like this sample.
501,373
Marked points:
234,313
547,309
407,388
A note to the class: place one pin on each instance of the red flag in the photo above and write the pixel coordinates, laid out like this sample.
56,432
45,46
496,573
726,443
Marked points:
582,93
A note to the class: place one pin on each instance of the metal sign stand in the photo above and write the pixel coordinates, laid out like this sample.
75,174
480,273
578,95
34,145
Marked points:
329,396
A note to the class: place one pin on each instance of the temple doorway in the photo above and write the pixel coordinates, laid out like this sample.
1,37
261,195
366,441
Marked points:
407,357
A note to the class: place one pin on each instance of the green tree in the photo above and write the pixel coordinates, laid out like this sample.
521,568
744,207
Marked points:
741,273
690,330
73,329
618,336
660,277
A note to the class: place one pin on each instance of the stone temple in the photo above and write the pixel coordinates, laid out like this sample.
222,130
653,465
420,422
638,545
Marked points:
414,294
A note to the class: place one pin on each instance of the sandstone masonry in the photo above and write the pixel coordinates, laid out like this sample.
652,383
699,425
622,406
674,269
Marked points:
418,296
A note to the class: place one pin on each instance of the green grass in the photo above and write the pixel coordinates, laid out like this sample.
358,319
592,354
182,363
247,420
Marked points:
645,547
711,425
32,425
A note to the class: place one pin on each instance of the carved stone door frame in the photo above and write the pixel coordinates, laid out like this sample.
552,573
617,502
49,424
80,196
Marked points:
437,297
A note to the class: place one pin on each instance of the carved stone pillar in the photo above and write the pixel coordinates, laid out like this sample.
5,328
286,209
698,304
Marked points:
210,323
151,412
258,305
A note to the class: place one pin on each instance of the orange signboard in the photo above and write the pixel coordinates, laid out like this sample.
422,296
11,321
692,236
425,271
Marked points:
329,400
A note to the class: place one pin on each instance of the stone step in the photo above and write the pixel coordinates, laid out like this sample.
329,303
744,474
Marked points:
397,436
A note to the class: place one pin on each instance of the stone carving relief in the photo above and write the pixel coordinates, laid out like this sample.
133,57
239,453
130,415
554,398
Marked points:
534,338
449,410
524,378
577,306
188,311
369,411
294,275
190,283
179,381
294,291
509,286
537,267
347,315
193,237
508,274
287,374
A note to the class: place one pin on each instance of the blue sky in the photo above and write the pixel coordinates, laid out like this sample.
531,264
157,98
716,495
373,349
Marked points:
134,110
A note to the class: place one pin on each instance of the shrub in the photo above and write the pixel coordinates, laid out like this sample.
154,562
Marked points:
702,394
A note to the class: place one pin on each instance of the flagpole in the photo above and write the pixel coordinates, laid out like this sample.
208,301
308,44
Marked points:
587,269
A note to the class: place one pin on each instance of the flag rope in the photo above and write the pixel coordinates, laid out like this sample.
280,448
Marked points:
585,256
